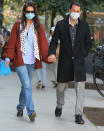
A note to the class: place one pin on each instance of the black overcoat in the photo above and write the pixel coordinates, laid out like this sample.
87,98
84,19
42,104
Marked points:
67,71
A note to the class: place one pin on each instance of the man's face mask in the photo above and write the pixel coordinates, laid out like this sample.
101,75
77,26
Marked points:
74,15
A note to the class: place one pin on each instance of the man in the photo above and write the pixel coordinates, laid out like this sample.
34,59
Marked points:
75,43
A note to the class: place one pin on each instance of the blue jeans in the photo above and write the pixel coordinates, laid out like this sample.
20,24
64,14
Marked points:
43,73
25,74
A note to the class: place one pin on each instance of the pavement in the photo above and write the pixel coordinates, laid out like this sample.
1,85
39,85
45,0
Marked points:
45,103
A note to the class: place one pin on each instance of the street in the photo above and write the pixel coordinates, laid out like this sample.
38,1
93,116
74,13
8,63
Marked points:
45,103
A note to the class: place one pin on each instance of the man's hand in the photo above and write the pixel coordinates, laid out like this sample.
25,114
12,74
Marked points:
7,63
52,58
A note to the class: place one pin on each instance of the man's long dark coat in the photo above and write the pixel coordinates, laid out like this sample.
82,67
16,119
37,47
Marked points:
67,71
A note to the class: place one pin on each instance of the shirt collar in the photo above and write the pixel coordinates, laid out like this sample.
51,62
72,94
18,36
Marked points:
32,24
70,22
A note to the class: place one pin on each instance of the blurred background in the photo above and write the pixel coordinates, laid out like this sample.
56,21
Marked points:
93,12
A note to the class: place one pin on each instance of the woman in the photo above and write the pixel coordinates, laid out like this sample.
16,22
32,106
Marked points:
27,45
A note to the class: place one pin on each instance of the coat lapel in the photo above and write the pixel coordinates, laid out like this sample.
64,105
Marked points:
67,28
77,34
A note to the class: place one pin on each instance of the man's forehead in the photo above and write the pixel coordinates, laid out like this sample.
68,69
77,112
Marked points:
75,6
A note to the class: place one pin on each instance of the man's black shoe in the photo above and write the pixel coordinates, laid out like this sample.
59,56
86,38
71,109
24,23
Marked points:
78,119
58,112
20,113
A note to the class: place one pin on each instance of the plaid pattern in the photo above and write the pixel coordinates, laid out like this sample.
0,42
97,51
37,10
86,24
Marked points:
73,34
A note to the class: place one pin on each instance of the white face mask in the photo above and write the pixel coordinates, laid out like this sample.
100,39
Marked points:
74,16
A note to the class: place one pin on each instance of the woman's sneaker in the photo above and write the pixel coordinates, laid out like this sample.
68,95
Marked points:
19,113
39,84
32,117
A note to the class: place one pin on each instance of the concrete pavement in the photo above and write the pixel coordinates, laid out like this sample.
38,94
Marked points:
45,103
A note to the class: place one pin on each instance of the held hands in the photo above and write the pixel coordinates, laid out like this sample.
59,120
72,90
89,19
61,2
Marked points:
6,63
52,58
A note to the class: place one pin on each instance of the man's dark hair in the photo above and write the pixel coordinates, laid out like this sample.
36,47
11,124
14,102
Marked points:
74,3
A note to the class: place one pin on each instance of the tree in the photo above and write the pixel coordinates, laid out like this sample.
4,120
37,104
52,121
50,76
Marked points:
11,9
58,6
89,6
1,10
52,7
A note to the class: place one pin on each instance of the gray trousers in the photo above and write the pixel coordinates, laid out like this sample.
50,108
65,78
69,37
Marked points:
55,69
80,91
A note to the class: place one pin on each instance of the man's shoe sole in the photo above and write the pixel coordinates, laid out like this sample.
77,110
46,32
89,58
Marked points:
79,123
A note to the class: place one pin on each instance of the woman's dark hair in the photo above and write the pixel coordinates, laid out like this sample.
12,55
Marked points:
35,19
74,3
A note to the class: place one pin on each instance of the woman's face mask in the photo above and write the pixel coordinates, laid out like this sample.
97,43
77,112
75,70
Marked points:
30,16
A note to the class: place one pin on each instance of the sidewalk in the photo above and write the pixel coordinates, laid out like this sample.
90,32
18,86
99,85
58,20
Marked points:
45,103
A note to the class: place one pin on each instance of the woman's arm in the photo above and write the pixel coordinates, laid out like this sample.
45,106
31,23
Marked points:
43,44
9,50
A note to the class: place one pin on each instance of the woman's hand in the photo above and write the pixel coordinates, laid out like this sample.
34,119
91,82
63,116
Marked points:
52,58
7,63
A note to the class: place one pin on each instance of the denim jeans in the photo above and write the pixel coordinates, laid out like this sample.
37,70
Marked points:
43,73
25,74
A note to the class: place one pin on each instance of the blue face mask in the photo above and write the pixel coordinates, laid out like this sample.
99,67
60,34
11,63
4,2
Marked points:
30,16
